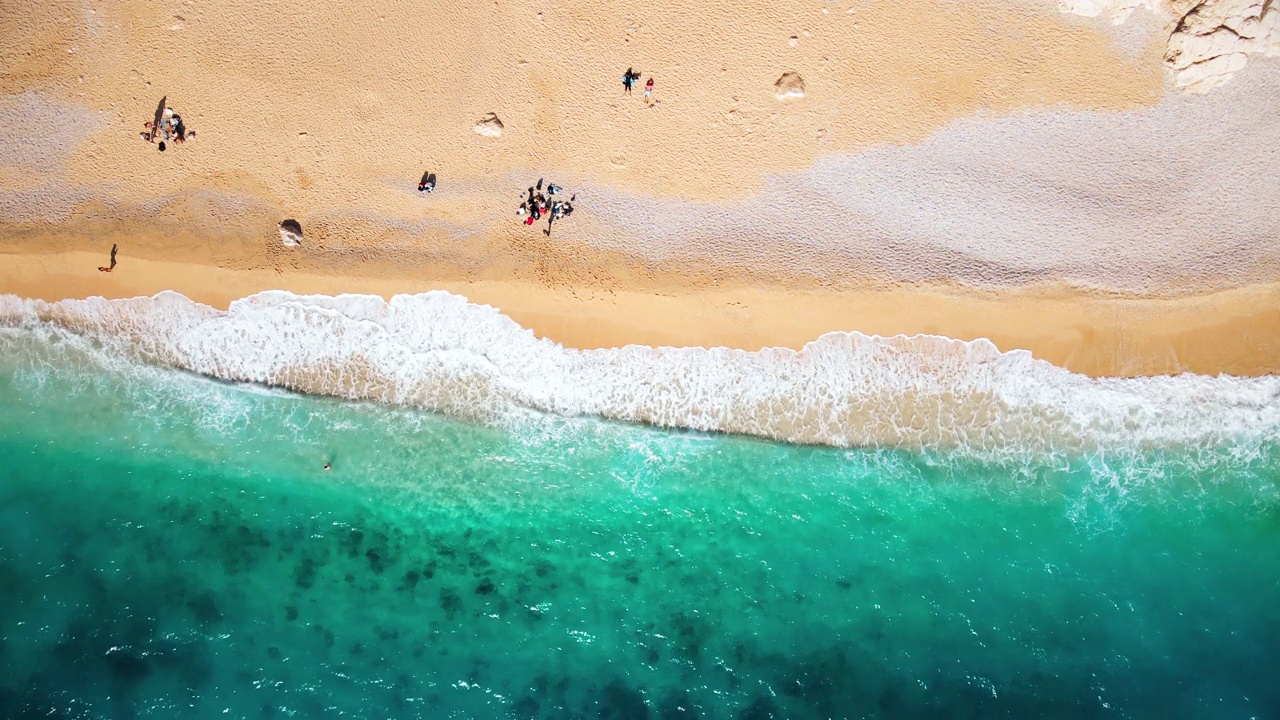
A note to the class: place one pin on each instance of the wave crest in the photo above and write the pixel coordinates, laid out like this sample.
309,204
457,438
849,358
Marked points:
439,352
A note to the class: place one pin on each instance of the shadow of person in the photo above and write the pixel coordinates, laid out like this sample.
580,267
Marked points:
113,261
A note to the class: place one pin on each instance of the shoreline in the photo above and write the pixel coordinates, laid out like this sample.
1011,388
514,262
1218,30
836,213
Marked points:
1232,332
988,170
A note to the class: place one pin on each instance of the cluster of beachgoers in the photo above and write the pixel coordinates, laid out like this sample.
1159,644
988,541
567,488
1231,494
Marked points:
167,127
537,204
534,207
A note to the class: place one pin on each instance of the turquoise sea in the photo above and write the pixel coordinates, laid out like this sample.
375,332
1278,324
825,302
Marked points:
171,547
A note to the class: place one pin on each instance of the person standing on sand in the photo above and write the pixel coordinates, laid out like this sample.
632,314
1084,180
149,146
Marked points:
628,79
113,261
556,212
648,91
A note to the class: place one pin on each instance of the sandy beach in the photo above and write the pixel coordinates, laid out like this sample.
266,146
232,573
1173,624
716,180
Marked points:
896,358
1232,332
993,170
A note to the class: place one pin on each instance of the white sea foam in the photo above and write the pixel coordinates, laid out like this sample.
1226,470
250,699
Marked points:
437,351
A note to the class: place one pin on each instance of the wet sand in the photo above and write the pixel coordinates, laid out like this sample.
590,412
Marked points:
1232,332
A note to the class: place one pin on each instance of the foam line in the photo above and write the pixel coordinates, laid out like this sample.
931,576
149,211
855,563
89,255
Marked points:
437,351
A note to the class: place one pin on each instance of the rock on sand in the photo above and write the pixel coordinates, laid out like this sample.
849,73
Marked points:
290,233
489,126
789,87
1210,41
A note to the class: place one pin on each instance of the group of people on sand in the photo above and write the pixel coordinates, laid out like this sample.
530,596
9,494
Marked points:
630,78
168,128
537,205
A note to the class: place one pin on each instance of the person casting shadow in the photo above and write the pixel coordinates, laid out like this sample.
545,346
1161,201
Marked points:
629,79
113,261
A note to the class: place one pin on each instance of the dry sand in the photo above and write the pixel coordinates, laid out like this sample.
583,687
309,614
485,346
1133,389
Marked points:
329,113
317,105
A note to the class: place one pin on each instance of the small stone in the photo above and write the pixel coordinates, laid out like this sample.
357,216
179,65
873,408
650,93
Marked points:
489,126
789,87
290,233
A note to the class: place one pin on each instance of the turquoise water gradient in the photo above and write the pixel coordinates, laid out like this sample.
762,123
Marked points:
171,547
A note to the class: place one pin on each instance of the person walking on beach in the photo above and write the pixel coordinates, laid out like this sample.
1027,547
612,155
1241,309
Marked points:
113,261
648,92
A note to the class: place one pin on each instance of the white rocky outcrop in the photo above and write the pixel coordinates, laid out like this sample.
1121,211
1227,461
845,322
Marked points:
789,87
489,126
1209,40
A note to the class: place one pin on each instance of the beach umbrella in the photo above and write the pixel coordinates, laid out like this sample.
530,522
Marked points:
160,113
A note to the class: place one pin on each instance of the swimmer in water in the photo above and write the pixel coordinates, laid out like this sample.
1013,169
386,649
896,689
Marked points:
326,467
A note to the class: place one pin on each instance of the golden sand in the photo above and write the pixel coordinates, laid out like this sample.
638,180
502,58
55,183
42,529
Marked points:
316,105
1234,332
326,112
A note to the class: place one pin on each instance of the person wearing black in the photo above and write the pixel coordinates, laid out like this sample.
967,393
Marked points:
113,261
629,79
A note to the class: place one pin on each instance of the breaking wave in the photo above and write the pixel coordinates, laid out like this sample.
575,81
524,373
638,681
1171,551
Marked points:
436,351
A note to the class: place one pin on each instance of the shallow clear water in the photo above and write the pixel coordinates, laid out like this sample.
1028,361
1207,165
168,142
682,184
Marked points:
171,547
